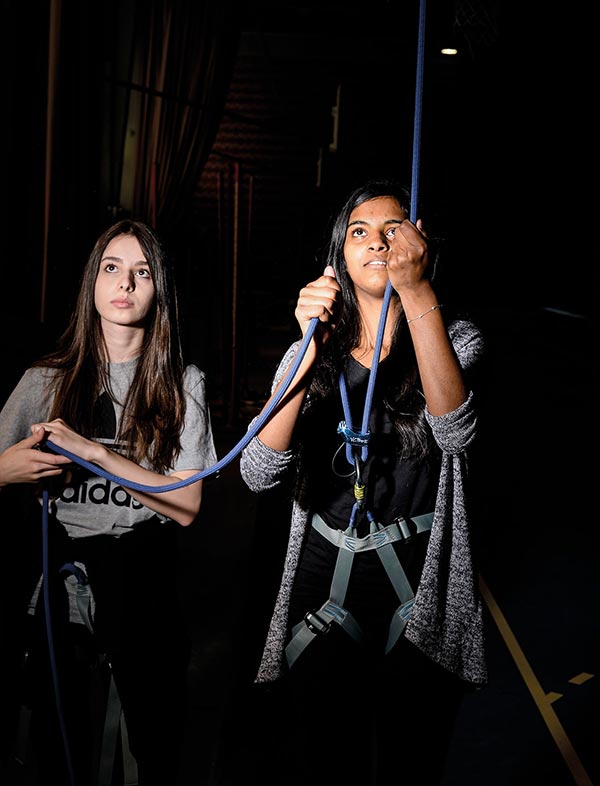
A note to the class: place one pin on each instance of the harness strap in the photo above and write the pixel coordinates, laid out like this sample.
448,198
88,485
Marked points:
114,719
404,591
401,529
83,594
319,622
316,623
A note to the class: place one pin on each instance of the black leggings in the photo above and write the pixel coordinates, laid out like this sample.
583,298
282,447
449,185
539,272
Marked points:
347,716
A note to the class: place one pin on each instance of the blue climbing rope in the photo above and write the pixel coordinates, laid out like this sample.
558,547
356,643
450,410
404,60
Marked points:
351,452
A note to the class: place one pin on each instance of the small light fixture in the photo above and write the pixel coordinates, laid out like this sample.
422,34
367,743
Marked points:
449,50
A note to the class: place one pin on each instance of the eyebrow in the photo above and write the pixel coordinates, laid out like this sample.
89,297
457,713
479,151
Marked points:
120,259
387,221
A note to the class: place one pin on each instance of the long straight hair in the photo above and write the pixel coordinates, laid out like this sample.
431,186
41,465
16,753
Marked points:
402,396
154,409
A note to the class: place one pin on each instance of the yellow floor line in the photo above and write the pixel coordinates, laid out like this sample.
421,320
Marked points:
543,704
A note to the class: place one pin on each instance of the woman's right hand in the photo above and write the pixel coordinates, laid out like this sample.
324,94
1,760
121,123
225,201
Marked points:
24,462
320,299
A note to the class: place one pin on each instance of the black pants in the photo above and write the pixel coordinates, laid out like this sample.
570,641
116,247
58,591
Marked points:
345,716
360,719
137,627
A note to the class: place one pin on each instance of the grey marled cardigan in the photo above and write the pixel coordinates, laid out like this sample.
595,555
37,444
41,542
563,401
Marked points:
446,622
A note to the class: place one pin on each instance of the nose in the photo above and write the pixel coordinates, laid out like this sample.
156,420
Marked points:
379,242
127,282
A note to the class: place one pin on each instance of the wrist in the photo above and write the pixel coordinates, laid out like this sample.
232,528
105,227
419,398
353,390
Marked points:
430,310
98,454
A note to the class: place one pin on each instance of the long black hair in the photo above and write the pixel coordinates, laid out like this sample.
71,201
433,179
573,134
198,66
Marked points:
402,393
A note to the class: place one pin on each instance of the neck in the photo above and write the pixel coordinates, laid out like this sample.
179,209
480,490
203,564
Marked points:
370,318
112,358
123,344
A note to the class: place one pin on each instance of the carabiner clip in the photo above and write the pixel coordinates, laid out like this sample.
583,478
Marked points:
359,486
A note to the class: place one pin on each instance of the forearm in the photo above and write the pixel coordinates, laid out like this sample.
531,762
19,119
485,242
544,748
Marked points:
441,375
277,432
181,504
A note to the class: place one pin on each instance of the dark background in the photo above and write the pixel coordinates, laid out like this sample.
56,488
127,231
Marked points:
506,170
502,150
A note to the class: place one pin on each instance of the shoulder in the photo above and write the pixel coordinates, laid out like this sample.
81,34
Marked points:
38,376
194,383
285,363
288,357
193,376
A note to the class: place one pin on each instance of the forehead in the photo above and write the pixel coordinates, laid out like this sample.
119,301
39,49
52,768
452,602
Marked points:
126,247
380,209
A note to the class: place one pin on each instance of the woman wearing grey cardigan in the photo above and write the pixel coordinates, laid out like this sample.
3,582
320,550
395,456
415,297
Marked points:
377,627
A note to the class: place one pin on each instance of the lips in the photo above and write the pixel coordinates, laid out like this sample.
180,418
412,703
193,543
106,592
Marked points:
122,303
376,263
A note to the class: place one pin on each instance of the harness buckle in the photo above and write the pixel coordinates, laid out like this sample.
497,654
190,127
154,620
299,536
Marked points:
404,528
315,624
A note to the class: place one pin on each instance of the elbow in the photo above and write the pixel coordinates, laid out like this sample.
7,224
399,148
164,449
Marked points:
186,516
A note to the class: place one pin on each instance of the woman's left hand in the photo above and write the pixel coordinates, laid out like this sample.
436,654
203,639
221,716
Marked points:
408,258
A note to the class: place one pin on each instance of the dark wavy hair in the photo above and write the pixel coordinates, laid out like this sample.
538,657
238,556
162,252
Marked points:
153,413
402,394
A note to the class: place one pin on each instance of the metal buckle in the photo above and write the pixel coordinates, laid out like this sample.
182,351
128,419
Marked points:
404,527
315,624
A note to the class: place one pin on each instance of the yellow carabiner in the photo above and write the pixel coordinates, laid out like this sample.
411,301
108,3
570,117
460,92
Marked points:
359,486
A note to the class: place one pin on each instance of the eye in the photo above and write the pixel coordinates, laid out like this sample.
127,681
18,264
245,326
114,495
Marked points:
358,232
391,232
143,273
110,267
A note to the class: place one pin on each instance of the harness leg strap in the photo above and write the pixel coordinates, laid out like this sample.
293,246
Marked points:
404,591
317,623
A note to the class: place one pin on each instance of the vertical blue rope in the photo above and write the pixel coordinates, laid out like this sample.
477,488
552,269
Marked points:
50,636
416,159
414,199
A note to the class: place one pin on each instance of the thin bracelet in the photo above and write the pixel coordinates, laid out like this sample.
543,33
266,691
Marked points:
420,316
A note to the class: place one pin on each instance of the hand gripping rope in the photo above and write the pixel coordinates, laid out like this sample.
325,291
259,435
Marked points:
354,440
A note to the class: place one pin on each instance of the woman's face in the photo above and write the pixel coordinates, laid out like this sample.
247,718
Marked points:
368,242
124,290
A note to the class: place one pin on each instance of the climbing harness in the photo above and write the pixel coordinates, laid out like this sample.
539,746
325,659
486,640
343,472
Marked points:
316,623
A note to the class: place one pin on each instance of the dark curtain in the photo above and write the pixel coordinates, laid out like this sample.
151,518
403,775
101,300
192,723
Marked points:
138,89
183,58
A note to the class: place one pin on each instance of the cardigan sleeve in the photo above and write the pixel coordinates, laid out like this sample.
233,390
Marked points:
262,467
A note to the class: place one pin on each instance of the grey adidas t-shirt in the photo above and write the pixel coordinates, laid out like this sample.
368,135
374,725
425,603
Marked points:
93,504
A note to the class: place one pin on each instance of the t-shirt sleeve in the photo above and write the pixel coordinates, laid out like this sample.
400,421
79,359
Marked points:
28,403
197,442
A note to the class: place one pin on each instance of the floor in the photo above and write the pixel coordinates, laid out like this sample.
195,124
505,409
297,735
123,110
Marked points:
533,724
